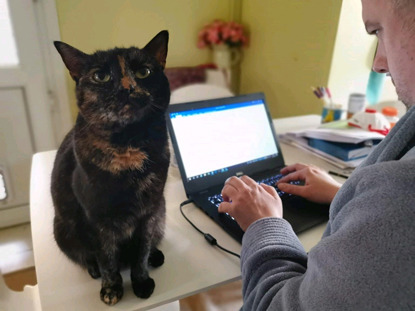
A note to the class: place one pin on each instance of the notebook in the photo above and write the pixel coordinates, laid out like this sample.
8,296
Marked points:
218,138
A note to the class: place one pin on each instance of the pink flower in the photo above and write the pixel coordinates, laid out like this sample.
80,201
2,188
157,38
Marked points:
219,31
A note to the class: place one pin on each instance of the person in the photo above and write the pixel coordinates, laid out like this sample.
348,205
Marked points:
366,257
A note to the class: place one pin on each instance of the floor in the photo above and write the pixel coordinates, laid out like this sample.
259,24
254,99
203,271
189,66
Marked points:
16,257
16,251
17,267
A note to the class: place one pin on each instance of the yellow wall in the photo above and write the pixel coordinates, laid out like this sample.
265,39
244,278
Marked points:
90,25
291,49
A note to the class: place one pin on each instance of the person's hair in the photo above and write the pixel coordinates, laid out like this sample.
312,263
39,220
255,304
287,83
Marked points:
402,4
405,9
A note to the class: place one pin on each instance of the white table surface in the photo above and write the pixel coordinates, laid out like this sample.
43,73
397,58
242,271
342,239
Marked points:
191,264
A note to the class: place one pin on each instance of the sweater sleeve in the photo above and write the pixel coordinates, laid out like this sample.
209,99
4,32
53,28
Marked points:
271,256
364,263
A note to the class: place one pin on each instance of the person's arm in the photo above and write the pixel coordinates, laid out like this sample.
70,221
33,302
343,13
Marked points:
365,263
273,264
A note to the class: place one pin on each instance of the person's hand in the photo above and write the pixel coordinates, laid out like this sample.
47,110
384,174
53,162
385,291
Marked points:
247,201
318,186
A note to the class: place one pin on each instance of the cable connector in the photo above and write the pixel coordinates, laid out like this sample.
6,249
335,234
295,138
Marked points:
211,240
186,202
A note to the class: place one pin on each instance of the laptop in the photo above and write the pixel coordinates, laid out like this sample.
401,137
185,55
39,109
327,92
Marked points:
218,138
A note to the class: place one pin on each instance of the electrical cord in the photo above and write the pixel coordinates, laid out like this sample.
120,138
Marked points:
209,238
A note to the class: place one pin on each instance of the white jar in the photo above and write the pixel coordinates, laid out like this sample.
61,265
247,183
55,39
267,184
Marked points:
356,103
391,114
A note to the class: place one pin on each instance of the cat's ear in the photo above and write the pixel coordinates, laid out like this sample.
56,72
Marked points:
158,47
73,58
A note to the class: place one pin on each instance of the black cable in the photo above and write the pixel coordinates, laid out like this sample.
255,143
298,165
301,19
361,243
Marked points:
211,240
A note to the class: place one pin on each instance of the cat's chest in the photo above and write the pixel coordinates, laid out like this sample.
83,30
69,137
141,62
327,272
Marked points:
117,160
131,151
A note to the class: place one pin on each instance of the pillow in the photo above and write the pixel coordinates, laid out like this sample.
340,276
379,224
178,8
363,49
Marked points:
181,76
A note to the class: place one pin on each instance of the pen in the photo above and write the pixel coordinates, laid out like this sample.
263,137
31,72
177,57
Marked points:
329,95
328,92
321,93
338,174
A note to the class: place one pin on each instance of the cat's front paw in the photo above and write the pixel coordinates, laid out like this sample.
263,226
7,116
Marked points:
93,271
156,258
143,289
111,295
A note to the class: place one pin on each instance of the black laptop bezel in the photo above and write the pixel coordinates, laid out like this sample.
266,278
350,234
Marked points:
201,184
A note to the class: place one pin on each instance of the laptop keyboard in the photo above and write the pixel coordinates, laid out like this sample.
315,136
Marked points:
271,181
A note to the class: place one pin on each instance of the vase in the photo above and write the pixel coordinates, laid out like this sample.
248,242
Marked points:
374,87
224,56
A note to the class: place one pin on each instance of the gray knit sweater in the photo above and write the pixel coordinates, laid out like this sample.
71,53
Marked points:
366,258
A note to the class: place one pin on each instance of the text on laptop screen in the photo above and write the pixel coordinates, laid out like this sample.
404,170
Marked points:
215,138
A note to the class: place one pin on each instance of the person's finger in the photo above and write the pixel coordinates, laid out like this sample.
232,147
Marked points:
293,189
230,187
248,181
225,207
292,168
234,182
228,191
270,190
297,175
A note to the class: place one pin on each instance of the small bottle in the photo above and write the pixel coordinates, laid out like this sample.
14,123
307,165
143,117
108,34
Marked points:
391,113
356,103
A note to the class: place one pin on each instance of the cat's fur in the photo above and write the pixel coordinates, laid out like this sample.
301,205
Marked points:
109,174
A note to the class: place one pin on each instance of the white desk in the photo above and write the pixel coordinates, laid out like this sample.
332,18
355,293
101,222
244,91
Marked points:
191,264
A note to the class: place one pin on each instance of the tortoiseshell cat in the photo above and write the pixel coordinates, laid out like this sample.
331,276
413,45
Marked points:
109,174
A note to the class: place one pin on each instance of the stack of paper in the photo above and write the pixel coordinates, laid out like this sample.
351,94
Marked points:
326,142
351,135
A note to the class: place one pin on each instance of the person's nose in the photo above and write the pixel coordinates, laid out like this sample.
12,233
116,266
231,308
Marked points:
380,63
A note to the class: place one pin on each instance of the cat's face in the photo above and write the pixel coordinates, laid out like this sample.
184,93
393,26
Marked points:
119,86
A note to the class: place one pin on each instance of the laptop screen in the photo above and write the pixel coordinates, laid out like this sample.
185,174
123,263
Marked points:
222,136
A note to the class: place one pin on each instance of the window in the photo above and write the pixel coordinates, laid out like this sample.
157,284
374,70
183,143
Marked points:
3,191
8,51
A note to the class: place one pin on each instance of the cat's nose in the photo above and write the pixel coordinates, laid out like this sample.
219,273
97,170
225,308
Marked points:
128,83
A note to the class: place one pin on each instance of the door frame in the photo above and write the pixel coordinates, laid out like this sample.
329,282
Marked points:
48,28
49,117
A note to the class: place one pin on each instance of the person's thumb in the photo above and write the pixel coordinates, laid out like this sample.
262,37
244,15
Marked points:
290,188
270,190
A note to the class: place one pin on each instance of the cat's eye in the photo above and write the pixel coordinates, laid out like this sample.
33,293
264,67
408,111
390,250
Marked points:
142,73
101,76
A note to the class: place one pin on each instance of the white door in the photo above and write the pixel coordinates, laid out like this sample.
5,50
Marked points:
26,121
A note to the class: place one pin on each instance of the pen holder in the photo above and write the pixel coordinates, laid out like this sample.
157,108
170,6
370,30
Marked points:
330,114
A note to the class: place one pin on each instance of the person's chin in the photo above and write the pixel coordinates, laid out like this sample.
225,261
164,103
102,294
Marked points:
408,103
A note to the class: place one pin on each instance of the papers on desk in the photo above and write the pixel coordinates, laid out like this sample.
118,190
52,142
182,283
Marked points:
352,135
302,139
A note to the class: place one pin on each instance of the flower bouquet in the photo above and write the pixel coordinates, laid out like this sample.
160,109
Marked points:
220,32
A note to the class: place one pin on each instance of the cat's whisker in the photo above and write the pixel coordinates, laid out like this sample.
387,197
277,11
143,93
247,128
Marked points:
157,108
84,128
